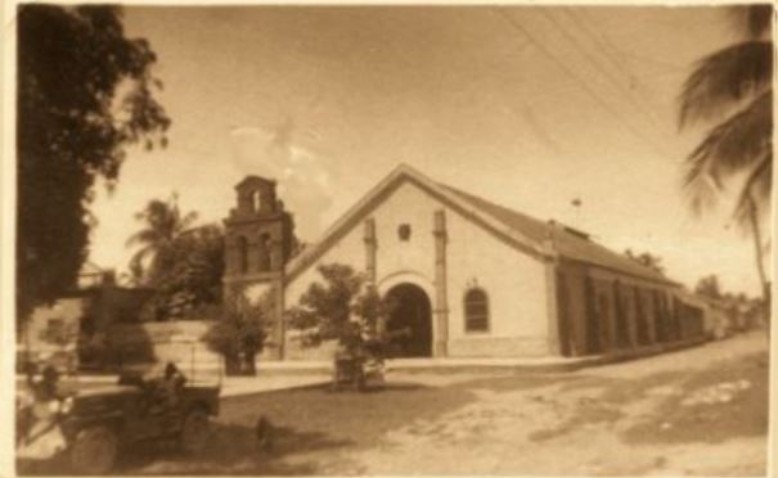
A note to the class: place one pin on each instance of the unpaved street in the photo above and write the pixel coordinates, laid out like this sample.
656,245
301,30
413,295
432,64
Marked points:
701,411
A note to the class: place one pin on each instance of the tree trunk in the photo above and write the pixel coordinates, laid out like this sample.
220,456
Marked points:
757,235
232,364
250,364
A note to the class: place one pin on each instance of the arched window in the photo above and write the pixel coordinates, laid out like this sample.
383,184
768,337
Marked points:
263,261
243,255
256,201
476,311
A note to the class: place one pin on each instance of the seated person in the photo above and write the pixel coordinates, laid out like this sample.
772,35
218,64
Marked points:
166,389
173,382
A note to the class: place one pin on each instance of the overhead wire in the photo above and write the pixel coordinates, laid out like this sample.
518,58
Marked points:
646,110
609,51
575,77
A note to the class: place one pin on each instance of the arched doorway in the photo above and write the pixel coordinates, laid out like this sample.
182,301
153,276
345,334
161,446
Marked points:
410,323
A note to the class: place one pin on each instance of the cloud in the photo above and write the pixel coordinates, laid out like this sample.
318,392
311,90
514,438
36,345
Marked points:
304,178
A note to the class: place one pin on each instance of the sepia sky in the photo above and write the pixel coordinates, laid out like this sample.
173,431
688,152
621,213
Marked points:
529,107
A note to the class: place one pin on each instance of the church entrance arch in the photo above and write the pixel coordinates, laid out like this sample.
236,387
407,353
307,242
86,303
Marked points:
410,323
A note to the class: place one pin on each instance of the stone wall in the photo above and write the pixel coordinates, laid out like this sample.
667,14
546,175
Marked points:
142,346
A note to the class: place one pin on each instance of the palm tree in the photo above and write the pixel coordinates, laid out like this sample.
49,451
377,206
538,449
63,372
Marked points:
163,225
734,86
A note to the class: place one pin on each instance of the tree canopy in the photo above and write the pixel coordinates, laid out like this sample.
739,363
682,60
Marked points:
163,224
182,263
85,93
732,87
326,308
240,330
345,308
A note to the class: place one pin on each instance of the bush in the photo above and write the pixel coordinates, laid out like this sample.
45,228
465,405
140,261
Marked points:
341,309
239,333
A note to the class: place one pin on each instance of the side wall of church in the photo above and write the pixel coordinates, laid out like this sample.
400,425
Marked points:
514,282
608,312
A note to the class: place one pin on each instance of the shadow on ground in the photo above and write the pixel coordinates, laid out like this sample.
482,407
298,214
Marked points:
729,399
312,428
233,450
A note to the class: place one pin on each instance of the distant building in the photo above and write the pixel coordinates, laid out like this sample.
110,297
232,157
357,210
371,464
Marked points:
471,278
62,331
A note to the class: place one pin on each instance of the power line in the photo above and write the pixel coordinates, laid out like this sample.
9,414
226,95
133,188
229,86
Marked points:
600,41
513,22
647,111
607,48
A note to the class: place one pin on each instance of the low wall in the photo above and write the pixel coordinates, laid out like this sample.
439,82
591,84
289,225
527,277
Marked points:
141,346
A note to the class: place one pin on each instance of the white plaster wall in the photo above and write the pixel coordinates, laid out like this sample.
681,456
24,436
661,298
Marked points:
514,281
350,250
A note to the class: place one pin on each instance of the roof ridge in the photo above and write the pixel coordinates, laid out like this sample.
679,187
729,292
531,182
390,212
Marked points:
569,242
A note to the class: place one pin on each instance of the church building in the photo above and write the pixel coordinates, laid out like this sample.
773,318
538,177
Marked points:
470,278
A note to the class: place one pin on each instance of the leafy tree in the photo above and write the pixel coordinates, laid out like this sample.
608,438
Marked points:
192,274
708,286
198,266
240,331
372,309
734,86
84,96
325,309
344,308
163,225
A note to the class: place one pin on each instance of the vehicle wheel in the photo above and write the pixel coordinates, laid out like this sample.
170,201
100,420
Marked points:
195,431
94,451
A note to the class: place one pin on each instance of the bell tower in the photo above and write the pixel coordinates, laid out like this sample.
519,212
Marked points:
259,237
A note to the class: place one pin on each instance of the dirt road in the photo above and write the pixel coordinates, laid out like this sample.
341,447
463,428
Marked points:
701,411
697,412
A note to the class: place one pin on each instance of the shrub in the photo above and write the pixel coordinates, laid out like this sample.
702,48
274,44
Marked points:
239,333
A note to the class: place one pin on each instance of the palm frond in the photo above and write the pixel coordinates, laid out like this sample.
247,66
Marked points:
143,237
755,18
736,144
756,191
723,79
700,188
137,260
188,219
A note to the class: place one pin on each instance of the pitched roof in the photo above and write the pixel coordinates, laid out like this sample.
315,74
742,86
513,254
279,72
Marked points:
533,236
568,242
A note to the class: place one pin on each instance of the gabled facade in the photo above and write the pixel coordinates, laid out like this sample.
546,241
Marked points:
474,279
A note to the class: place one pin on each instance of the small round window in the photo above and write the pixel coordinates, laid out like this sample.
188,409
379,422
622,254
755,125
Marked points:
404,232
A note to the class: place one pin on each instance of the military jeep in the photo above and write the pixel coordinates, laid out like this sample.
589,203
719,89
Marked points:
98,424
